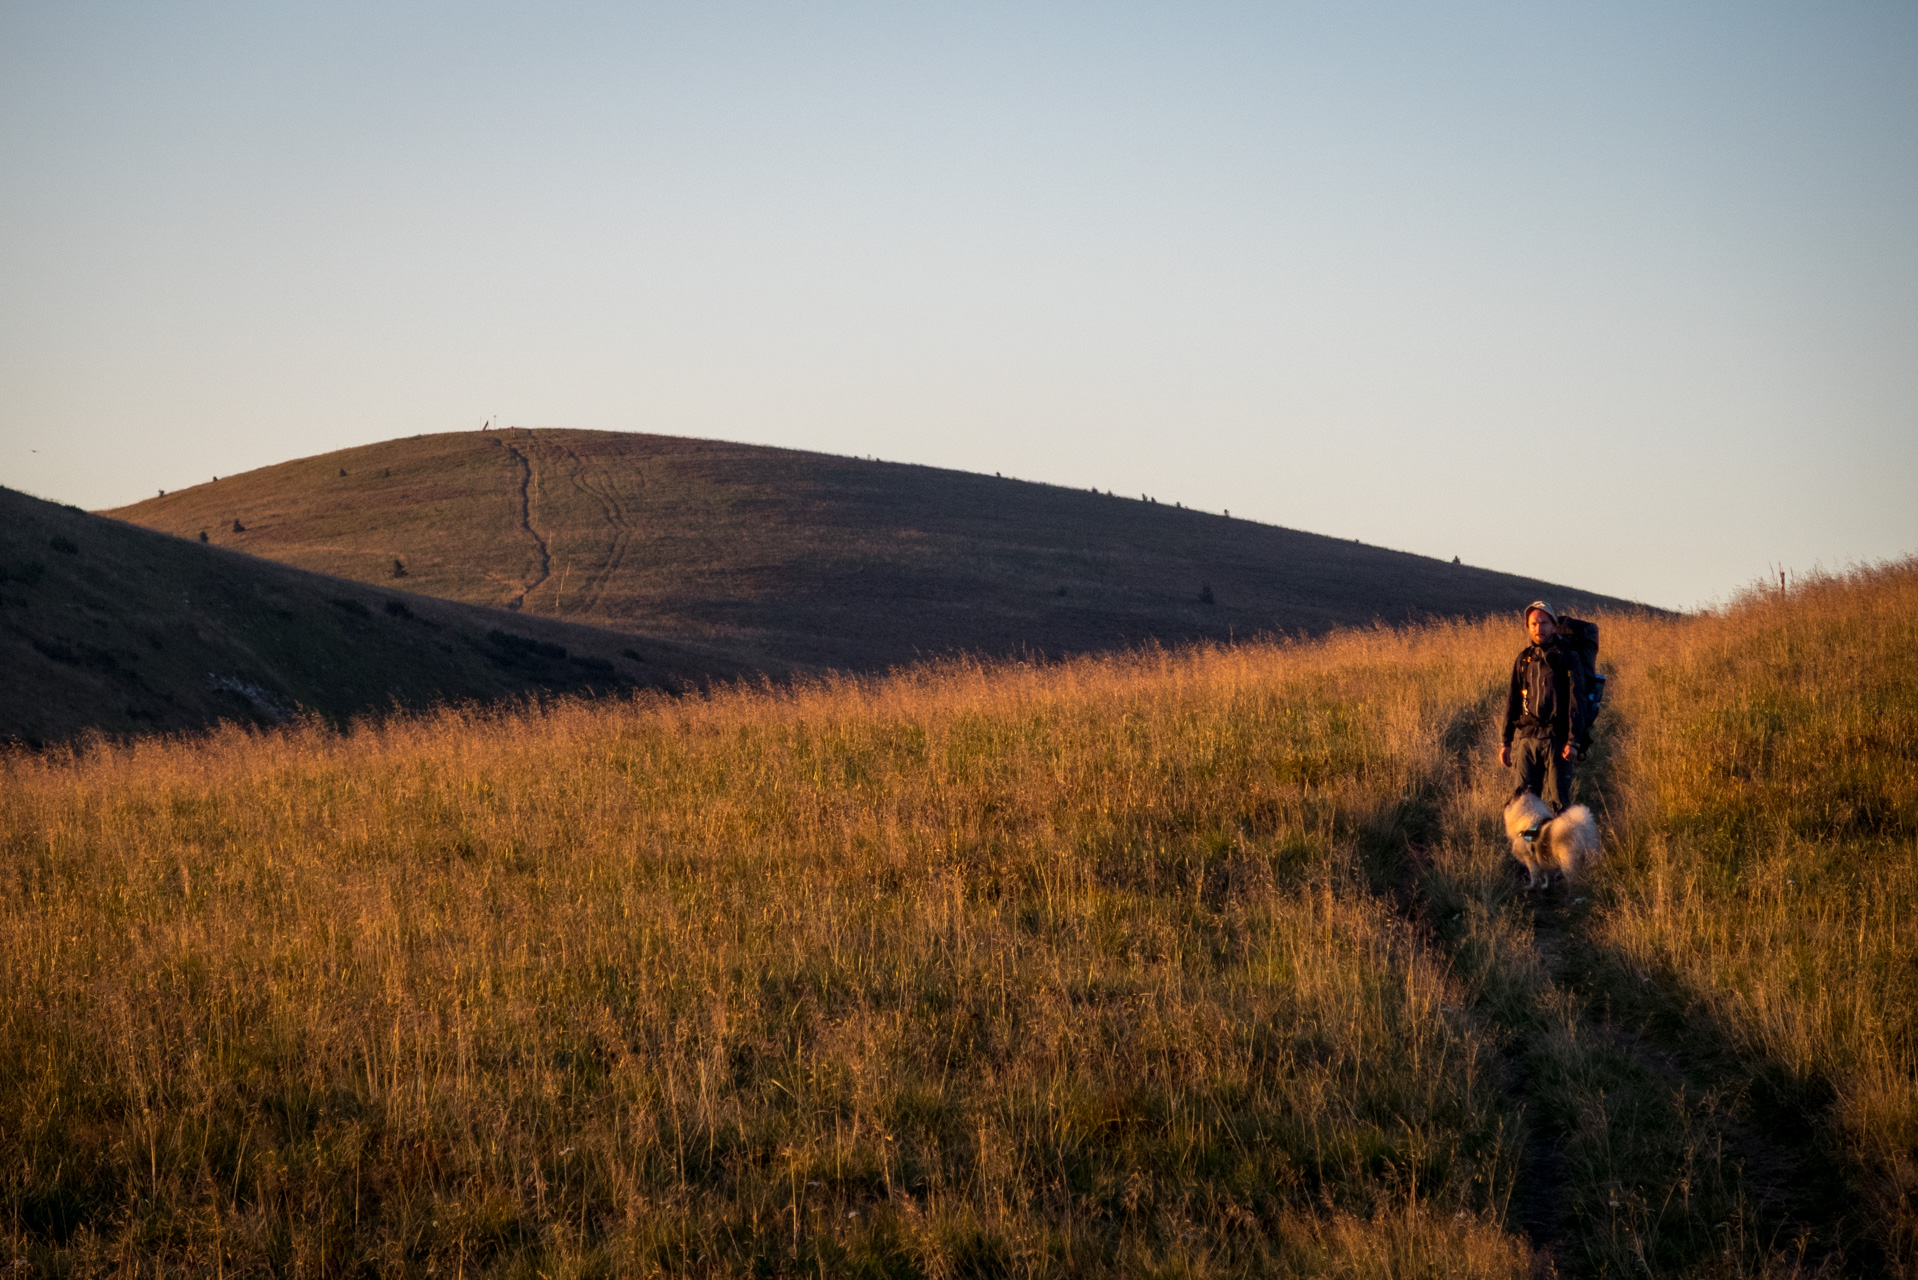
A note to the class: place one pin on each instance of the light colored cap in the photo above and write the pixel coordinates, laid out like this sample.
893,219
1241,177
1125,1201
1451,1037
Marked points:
1539,606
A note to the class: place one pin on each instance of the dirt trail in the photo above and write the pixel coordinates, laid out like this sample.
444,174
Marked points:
545,557
1579,1050
1789,1194
1540,1203
593,481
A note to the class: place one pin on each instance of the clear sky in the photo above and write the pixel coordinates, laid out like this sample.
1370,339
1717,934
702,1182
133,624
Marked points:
1622,295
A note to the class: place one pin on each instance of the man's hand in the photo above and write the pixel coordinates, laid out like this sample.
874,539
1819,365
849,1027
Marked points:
1505,756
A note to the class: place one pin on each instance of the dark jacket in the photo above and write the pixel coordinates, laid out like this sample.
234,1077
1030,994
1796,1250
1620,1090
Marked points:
1547,697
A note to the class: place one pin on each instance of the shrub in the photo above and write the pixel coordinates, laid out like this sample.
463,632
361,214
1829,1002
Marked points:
522,648
399,567
237,526
56,651
63,546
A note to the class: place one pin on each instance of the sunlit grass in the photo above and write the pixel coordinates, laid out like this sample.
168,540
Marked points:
975,969
1771,798
1195,963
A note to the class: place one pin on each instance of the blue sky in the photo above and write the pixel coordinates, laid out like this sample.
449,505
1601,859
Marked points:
1624,296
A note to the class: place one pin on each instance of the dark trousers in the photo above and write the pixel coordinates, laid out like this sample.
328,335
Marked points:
1542,771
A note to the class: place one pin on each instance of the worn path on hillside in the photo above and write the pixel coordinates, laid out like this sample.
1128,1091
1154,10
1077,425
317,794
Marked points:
1787,1196
1631,1161
594,481
542,552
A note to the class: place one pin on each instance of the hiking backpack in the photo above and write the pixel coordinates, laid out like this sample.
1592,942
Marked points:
1581,639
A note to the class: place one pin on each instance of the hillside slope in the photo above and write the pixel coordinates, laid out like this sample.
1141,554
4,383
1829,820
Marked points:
806,557
1209,963
107,626
1021,970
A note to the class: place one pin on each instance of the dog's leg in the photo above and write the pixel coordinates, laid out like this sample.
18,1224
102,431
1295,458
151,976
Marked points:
1519,852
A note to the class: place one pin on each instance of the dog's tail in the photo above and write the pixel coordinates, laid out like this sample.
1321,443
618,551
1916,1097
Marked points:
1581,836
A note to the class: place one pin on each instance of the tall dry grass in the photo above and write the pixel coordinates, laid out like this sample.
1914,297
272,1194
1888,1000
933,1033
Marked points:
1207,963
1716,1032
1630,1165
1077,969
1769,788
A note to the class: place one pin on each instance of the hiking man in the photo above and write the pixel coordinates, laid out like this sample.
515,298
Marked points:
1547,725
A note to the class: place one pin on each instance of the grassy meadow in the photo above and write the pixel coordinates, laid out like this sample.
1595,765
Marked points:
1770,877
1195,963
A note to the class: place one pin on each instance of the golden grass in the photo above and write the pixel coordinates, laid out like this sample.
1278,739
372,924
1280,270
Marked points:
1771,788
1627,1168
1008,970
1716,1032
1204,963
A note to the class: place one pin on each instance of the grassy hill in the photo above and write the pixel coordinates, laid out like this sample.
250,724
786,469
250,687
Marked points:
1203,963
107,626
804,557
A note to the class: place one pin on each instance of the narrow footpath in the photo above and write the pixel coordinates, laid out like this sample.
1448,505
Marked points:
1634,1160
543,559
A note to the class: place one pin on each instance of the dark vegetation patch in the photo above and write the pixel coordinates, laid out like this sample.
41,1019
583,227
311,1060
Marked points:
55,651
520,648
186,611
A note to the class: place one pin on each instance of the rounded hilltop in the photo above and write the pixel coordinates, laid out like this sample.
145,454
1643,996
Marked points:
792,557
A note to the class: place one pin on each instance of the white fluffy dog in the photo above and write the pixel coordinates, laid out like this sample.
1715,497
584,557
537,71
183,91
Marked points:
1564,844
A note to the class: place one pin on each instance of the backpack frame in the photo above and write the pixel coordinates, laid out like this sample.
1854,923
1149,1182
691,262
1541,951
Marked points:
1581,639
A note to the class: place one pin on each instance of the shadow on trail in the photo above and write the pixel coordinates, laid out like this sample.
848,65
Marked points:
1655,1141
1772,1127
